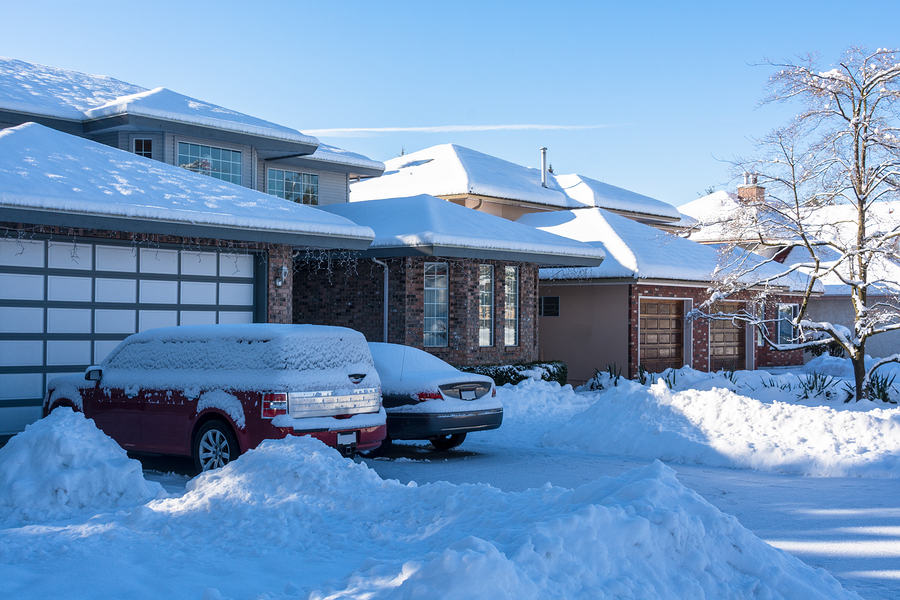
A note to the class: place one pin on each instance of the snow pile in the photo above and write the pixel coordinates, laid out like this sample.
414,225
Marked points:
262,357
534,407
63,465
222,400
719,427
292,519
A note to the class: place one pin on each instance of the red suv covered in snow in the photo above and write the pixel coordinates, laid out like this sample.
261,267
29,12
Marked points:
215,391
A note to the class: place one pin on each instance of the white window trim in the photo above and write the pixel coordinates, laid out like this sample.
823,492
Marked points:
490,343
289,170
505,305
447,316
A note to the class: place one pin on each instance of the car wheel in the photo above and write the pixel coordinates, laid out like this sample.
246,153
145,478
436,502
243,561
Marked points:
445,442
214,446
379,451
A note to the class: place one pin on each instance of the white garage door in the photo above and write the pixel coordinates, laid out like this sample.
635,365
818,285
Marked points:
64,304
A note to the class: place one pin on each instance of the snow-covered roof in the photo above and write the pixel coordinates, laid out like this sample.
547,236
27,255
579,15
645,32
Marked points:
723,217
333,154
163,103
428,225
452,170
45,170
633,250
590,192
60,93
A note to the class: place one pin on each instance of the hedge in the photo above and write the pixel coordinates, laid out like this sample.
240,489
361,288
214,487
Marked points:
503,374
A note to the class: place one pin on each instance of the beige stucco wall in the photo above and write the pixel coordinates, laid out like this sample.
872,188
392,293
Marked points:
591,330
838,310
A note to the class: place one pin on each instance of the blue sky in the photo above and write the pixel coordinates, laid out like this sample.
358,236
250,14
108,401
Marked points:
659,95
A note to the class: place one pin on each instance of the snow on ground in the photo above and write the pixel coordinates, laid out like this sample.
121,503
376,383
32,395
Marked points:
64,467
293,518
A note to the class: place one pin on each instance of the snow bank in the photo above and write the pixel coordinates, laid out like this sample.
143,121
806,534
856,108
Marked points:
719,427
63,465
293,519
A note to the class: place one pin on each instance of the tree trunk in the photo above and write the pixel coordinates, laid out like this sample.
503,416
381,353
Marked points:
859,373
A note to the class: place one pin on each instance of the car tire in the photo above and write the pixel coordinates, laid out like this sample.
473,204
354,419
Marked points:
446,442
379,451
214,446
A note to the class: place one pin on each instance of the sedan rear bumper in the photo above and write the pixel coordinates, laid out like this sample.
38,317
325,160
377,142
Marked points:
421,426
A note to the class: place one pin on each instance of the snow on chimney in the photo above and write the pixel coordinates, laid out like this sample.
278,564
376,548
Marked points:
751,192
544,166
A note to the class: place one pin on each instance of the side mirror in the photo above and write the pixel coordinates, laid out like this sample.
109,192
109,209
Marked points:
93,374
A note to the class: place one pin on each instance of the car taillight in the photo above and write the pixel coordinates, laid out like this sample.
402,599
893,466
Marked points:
493,392
423,396
274,405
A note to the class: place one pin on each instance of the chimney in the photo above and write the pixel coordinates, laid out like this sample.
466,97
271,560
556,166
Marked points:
544,166
751,192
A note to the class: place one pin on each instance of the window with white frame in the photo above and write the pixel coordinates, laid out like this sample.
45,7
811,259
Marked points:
787,333
143,147
437,305
511,307
220,163
302,188
485,305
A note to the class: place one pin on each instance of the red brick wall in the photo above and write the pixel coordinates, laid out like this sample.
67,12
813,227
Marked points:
350,294
764,356
279,307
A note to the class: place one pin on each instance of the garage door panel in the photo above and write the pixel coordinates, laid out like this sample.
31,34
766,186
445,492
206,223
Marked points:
238,294
198,317
69,289
68,352
236,265
198,292
14,386
159,260
69,255
15,286
19,319
21,253
21,353
116,258
198,263
111,320
102,348
151,319
159,292
68,320
235,317
115,290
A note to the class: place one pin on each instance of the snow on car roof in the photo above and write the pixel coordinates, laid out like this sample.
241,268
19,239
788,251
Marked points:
450,170
633,250
44,169
245,331
424,220
590,192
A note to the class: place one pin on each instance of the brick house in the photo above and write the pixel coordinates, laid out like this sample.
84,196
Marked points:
714,212
104,230
458,283
633,309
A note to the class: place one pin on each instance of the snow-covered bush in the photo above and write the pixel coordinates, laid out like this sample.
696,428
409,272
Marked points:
512,374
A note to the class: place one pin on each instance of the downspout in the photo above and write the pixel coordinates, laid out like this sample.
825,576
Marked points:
384,332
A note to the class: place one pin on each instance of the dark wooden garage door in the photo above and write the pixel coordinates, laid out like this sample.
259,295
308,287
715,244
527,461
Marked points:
661,334
727,349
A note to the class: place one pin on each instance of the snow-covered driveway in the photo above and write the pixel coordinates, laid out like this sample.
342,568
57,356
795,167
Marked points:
847,525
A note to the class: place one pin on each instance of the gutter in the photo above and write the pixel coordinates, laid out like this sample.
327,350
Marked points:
384,325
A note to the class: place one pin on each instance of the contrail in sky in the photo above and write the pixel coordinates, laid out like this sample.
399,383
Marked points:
367,131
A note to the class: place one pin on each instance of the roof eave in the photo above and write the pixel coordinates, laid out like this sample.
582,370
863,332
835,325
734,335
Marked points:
182,229
439,250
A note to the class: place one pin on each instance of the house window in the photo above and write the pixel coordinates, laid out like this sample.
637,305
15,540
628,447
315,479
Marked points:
548,306
787,333
216,162
511,308
302,188
485,305
437,301
143,147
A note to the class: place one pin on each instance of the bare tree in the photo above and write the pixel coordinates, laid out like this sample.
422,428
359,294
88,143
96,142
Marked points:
828,176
